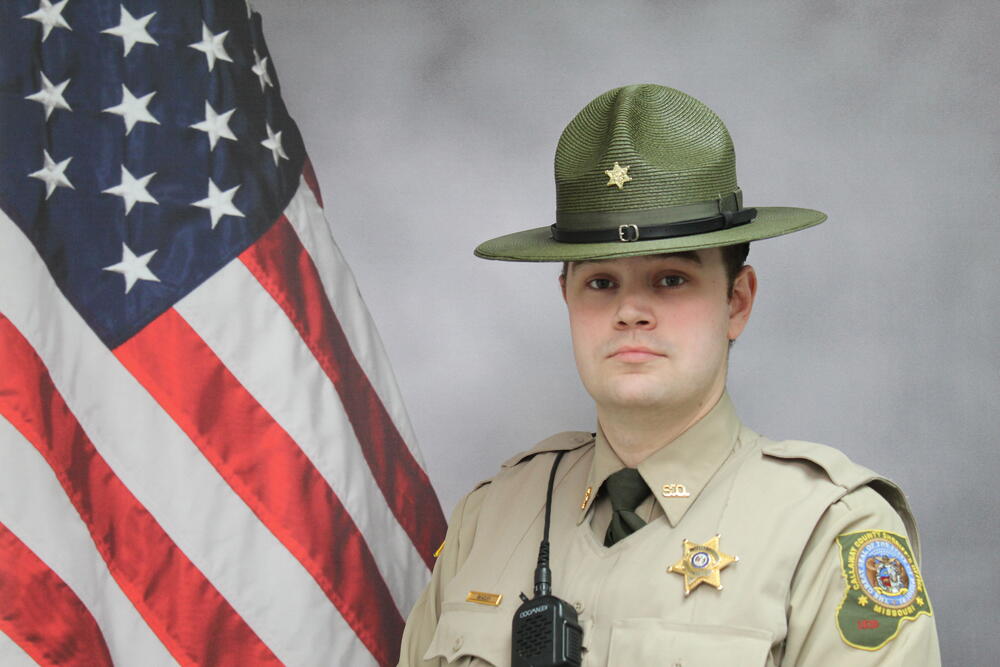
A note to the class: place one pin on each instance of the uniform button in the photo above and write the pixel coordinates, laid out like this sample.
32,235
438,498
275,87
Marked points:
457,645
578,606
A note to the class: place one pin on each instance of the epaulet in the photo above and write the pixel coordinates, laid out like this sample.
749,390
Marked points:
847,474
482,484
841,470
560,442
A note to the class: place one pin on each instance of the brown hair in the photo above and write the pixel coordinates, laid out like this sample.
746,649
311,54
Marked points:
734,258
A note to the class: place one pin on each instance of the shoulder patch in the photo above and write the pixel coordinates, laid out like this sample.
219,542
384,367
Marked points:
883,588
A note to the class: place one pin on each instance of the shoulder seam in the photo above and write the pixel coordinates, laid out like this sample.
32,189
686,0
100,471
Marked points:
841,471
565,441
839,468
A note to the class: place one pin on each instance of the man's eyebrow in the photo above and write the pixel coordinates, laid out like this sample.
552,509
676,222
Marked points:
689,255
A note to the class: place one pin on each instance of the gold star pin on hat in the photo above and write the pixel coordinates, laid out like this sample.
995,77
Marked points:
702,563
618,175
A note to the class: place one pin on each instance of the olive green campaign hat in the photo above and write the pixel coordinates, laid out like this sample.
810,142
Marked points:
645,169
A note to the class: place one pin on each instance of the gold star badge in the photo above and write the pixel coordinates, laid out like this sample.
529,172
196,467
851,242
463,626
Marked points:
618,175
702,563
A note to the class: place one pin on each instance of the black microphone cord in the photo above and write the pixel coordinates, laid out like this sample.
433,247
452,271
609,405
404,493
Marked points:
543,575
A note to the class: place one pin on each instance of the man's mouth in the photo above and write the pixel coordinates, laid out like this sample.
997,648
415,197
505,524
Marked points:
635,354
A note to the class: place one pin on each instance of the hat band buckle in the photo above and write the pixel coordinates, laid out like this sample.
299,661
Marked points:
628,233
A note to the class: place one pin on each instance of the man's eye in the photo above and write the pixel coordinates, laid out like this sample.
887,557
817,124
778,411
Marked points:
600,283
672,281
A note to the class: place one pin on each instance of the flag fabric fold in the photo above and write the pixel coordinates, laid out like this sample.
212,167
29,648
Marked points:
204,459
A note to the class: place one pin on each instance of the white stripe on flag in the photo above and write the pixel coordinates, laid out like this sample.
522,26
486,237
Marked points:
11,655
305,216
35,508
169,476
272,360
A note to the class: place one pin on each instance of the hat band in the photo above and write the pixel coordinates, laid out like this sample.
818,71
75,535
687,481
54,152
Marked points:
632,231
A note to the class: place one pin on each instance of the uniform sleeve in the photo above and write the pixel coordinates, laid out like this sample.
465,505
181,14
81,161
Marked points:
818,591
423,618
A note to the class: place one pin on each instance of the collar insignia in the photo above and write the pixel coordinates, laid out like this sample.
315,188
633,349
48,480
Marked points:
675,491
702,563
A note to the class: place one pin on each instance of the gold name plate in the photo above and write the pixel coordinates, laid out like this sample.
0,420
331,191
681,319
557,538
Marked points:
491,599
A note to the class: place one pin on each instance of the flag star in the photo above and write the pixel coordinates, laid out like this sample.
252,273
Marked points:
219,203
273,143
215,125
50,96
211,46
133,268
53,174
133,109
132,30
50,16
260,69
132,189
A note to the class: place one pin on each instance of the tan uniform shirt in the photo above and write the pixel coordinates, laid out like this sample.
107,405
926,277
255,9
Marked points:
779,507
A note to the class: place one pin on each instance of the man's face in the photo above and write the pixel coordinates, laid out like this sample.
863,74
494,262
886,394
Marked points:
654,331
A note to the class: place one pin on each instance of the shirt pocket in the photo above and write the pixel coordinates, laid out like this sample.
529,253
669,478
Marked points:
654,641
479,634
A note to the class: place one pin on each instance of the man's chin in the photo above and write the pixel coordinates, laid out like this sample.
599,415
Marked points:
638,397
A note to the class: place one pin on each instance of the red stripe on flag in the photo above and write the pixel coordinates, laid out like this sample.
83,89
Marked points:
268,470
309,174
195,623
286,271
42,614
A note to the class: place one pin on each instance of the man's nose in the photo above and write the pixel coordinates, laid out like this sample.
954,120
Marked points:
635,311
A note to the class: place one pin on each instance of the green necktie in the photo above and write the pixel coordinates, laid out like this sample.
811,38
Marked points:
626,490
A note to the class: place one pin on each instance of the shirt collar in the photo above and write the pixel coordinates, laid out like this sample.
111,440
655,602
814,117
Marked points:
678,471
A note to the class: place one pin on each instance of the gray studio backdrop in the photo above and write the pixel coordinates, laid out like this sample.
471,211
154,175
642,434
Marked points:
432,127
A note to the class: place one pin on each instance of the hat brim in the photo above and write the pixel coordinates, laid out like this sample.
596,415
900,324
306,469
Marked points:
537,245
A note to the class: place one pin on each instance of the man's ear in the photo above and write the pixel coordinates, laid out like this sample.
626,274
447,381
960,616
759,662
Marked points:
562,285
741,301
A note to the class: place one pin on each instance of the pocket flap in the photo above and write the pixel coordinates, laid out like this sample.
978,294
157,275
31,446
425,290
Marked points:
466,630
653,641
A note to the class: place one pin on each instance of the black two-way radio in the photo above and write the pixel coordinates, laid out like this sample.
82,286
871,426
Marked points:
545,629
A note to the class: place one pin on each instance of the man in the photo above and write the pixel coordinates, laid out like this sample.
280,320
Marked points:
678,535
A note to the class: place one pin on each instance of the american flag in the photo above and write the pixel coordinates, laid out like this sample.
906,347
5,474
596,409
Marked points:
204,459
